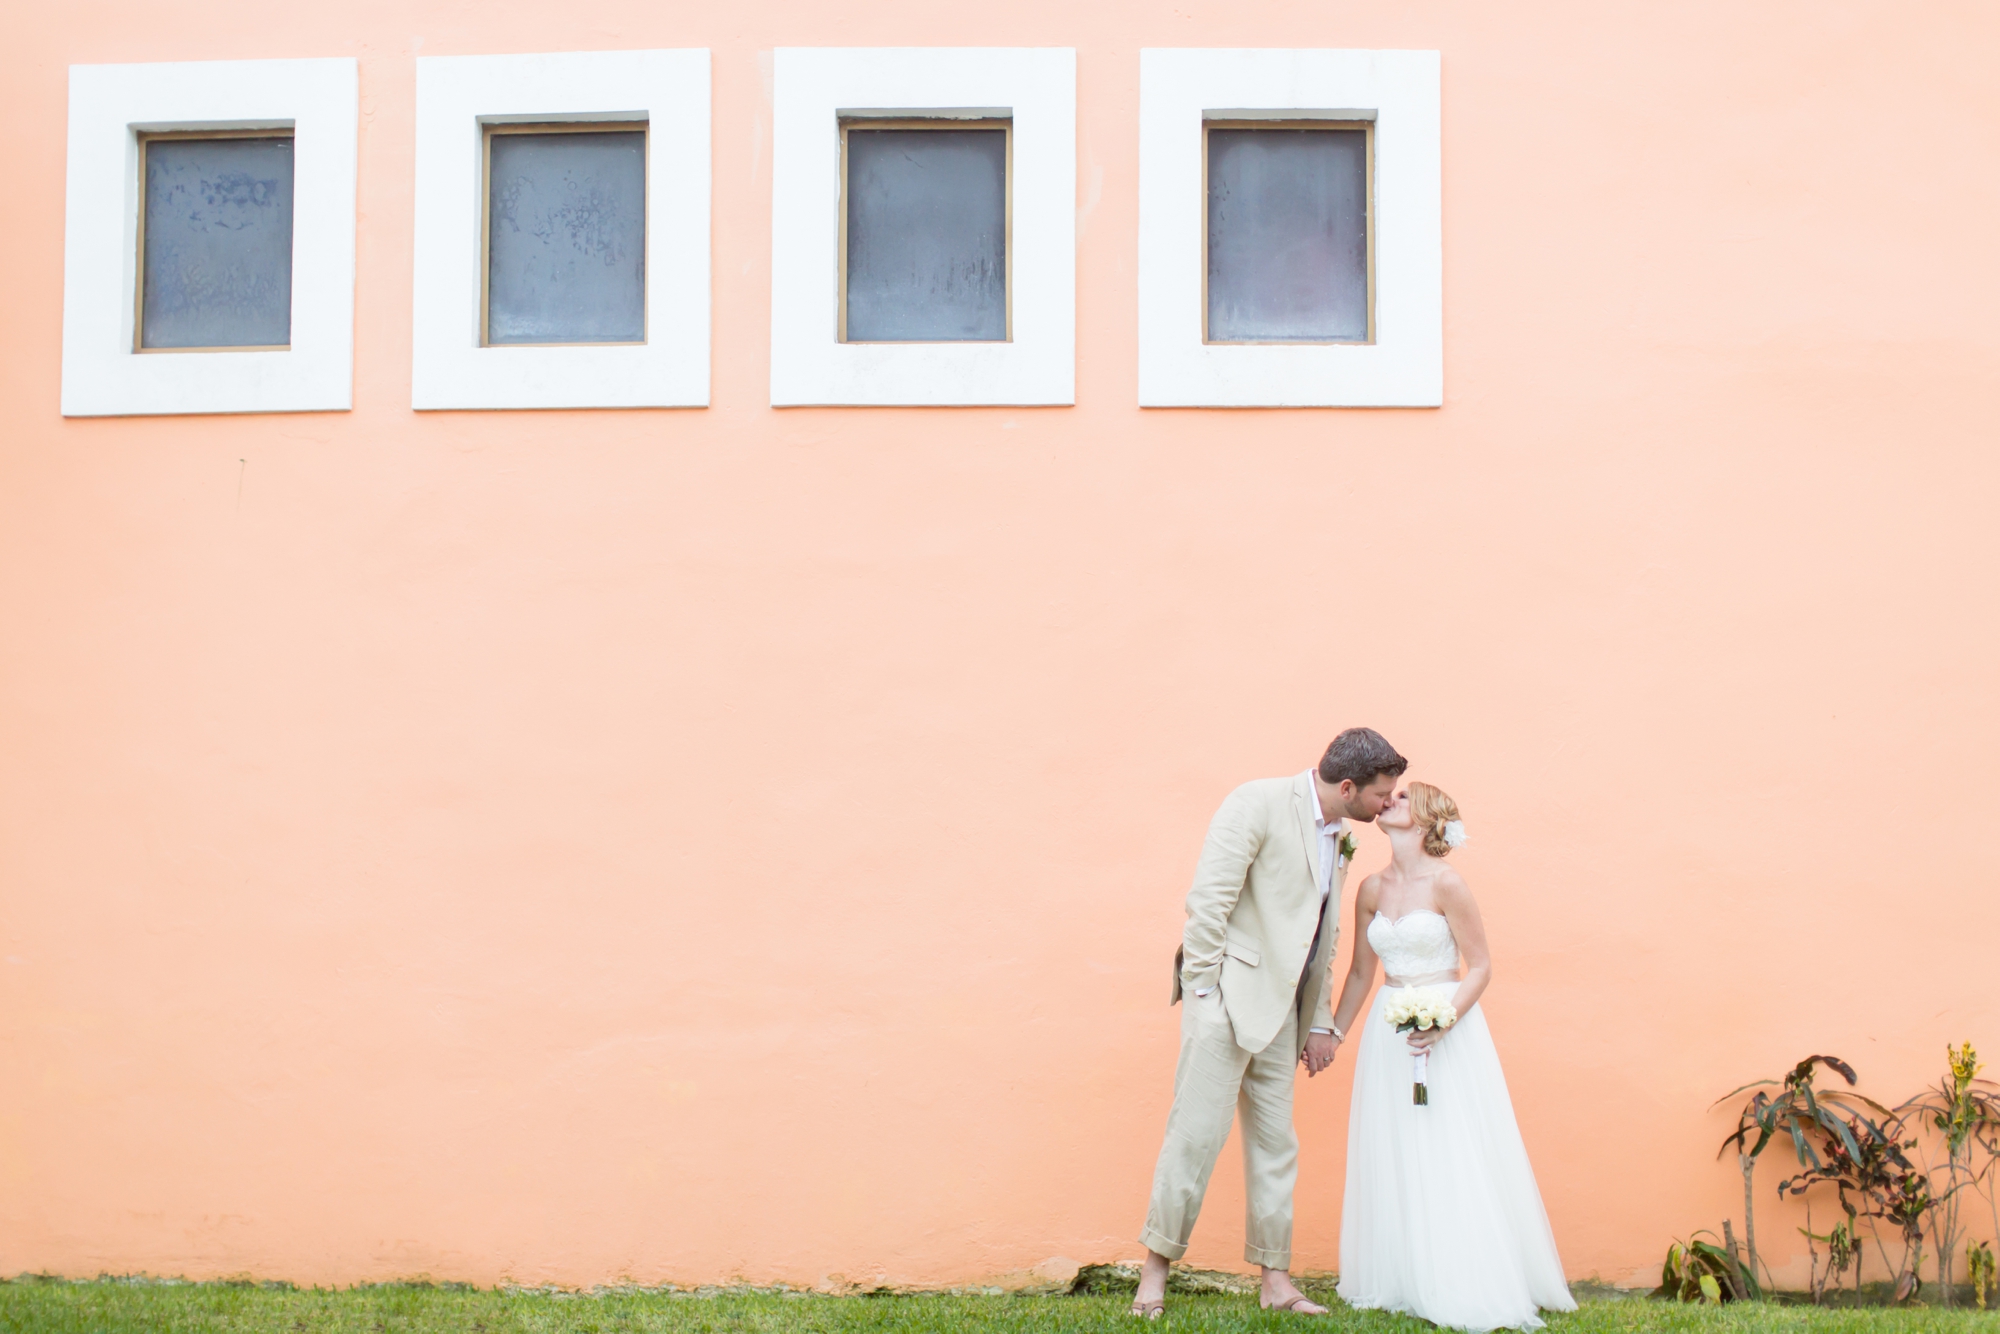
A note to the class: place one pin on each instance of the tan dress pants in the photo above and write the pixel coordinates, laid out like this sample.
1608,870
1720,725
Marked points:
1214,1082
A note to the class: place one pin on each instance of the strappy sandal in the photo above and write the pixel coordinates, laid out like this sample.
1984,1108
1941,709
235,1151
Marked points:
1293,1306
1148,1310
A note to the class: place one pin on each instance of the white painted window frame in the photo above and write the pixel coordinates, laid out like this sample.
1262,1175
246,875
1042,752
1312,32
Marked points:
457,96
1404,366
110,106
813,86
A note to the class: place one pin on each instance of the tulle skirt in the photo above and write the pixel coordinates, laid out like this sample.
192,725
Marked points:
1442,1217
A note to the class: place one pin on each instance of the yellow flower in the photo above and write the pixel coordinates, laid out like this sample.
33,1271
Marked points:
1964,1064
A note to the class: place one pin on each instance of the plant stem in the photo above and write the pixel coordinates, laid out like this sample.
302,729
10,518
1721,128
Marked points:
1812,1259
1749,1210
1947,1235
1993,1207
1883,1247
1742,1278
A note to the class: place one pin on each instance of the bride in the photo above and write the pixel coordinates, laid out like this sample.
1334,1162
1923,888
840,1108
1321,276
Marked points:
1442,1218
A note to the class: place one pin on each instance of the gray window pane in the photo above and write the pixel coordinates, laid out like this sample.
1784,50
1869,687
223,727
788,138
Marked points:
218,250
926,235
566,239
1287,235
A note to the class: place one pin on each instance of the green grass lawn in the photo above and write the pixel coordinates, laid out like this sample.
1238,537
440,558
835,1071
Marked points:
115,1307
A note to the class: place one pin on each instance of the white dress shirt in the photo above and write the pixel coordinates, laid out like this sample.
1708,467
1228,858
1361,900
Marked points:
1329,852
1329,842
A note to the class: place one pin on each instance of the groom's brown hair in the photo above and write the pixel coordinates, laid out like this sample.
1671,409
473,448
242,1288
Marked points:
1358,755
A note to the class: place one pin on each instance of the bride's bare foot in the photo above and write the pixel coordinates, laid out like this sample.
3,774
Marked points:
1279,1293
1150,1302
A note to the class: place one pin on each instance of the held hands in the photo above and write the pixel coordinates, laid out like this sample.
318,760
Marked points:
1319,1051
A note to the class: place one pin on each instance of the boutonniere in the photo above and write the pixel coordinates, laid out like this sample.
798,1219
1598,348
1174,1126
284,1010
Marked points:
1347,847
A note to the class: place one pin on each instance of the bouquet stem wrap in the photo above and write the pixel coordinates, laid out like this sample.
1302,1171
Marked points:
1413,1010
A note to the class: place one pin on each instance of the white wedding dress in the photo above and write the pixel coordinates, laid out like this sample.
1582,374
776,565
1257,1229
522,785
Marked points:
1442,1217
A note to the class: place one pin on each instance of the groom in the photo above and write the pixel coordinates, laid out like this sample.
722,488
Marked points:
1263,918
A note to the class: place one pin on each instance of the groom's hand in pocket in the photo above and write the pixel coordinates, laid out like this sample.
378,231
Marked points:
1319,1051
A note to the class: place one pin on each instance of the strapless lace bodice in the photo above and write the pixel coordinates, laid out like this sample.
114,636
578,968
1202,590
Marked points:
1415,944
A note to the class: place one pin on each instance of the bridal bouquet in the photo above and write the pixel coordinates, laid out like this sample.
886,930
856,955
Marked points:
1410,1011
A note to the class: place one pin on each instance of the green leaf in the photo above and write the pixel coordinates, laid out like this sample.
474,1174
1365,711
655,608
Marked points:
1715,1256
1840,1131
1760,1084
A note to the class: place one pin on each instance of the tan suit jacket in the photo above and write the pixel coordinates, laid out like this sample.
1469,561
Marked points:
1253,911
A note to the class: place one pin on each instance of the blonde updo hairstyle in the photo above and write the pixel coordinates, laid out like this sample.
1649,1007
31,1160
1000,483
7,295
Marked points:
1432,810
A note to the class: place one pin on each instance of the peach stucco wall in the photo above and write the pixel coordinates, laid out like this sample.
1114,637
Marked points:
749,844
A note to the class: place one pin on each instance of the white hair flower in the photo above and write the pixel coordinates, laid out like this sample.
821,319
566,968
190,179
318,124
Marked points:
1454,834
